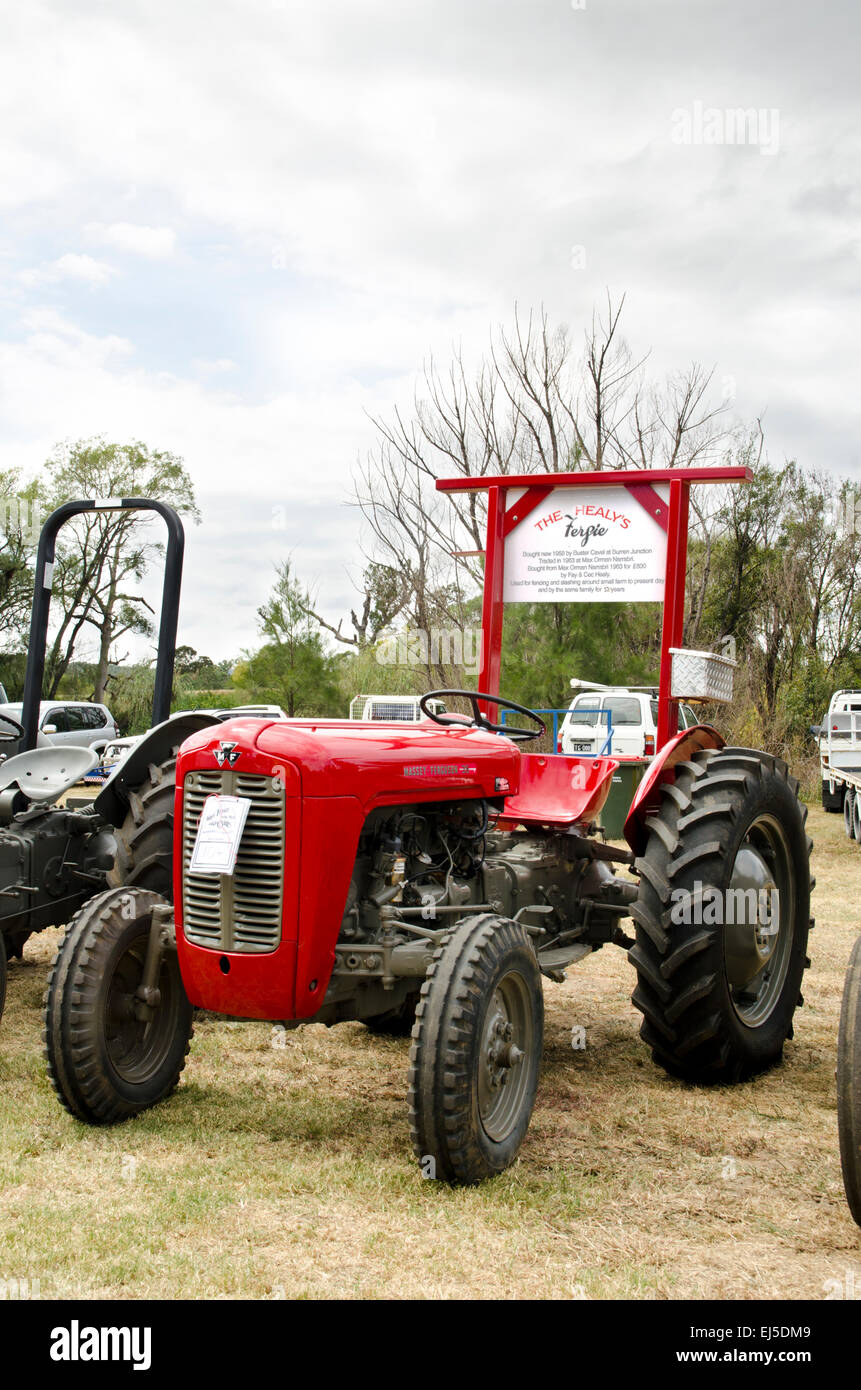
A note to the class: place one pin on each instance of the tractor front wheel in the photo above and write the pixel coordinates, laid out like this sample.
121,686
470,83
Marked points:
110,1053
849,1083
722,916
476,1051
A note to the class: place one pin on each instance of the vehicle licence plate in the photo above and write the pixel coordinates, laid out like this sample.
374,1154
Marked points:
581,748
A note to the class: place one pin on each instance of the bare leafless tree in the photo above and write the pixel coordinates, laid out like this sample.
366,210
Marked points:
533,404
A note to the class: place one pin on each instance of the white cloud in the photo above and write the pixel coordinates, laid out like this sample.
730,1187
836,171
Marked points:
51,341
270,475
213,366
155,243
71,266
354,187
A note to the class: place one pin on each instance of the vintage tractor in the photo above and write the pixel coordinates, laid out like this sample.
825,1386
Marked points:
54,857
424,879
849,1083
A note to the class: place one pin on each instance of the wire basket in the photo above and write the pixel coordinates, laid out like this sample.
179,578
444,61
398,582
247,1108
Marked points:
701,675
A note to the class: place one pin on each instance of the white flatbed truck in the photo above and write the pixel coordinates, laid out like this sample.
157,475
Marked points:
839,738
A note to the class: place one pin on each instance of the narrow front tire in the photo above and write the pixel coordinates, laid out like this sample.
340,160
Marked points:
109,1053
476,1051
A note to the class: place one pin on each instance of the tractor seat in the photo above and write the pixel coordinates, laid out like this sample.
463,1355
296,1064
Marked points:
43,774
558,790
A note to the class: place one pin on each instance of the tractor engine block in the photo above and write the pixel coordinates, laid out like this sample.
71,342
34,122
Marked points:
50,861
421,868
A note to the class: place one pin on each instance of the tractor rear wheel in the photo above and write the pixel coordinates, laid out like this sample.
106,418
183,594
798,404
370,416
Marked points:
2,974
476,1051
849,1083
848,810
109,1054
722,916
144,856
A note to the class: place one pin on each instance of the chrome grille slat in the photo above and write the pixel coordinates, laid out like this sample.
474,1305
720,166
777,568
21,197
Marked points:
242,911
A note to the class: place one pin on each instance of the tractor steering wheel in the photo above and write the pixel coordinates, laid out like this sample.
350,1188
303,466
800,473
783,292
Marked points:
479,720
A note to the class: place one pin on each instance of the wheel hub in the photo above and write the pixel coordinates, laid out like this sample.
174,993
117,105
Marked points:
752,917
758,912
505,1043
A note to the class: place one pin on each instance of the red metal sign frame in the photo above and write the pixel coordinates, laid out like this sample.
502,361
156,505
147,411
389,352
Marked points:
639,483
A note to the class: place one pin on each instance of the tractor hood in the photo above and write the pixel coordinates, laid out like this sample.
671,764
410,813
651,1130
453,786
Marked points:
374,762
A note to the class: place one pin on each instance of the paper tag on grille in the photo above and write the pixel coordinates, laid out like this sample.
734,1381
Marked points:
219,831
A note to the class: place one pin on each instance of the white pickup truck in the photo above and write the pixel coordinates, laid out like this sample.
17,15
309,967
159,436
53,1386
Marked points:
839,737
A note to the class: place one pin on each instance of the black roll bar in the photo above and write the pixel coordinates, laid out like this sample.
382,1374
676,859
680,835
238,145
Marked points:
44,584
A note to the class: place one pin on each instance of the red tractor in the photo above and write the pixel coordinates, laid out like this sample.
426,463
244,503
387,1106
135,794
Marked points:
424,879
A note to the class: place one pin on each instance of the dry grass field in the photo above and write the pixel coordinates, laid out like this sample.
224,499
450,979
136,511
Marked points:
282,1167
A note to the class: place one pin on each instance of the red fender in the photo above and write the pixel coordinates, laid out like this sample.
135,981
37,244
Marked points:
647,798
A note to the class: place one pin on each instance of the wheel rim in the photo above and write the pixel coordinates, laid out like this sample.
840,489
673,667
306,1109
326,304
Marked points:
758,939
507,1045
137,1046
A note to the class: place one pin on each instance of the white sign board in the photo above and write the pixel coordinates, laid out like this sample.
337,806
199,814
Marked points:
219,831
586,545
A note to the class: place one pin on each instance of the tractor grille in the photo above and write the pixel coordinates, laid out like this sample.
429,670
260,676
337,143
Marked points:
242,911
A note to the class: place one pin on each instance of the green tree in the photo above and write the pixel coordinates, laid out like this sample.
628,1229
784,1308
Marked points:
292,668
104,555
546,644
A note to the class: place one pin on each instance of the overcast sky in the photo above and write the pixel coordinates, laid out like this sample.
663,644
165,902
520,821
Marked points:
234,229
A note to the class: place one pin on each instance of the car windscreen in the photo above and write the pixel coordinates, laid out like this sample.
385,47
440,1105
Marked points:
585,710
624,711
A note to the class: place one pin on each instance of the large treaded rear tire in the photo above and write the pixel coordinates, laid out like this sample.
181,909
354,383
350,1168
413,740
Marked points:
718,999
104,1062
144,856
476,1050
849,1083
